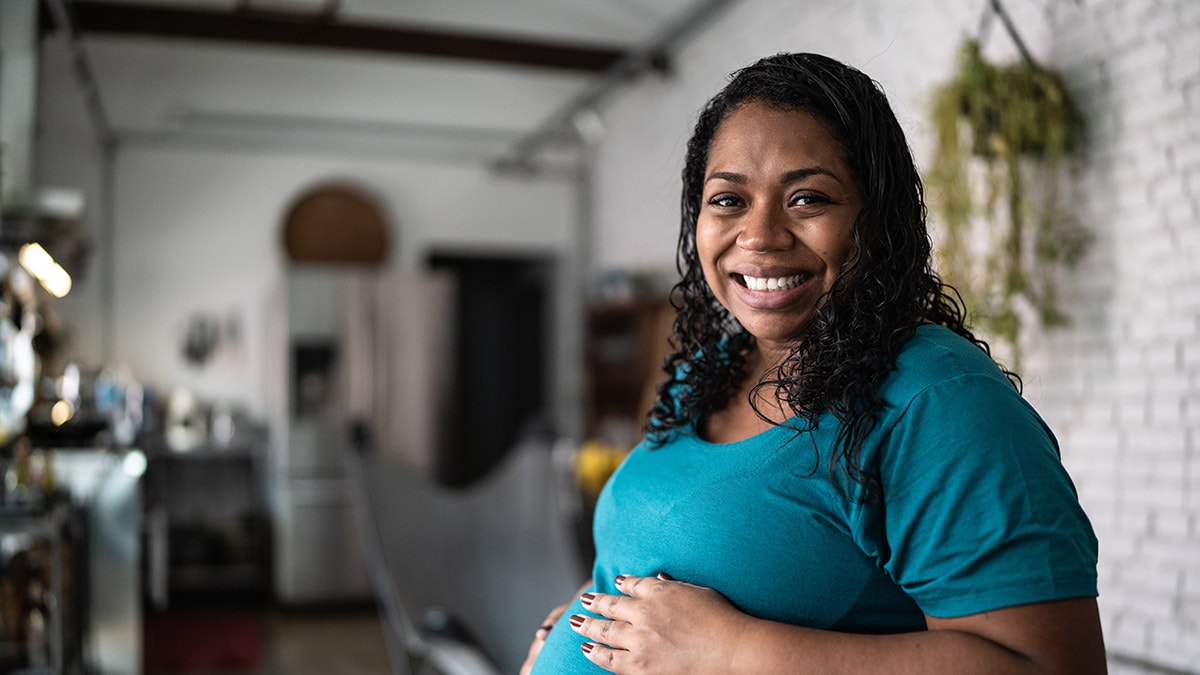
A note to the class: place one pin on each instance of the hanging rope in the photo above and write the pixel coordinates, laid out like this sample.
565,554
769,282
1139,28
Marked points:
995,9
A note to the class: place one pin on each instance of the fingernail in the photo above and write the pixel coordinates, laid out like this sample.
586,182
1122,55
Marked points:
543,632
619,580
576,620
587,599
588,647
665,577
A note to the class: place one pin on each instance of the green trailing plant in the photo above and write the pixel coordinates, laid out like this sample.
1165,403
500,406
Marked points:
1003,134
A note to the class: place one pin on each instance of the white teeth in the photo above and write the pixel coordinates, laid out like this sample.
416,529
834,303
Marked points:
772,283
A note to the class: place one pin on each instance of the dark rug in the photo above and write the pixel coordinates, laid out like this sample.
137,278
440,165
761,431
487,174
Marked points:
182,641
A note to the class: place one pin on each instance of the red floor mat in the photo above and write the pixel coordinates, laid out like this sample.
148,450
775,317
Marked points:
181,641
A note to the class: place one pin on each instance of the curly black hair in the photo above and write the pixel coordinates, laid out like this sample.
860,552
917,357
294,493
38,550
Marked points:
884,291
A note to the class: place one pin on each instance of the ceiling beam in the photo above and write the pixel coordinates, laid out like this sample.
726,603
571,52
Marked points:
318,31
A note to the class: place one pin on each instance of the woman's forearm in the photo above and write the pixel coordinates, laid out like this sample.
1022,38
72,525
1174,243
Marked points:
671,627
787,650
1059,637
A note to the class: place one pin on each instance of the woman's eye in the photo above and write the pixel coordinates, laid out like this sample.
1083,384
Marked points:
808,199
725,200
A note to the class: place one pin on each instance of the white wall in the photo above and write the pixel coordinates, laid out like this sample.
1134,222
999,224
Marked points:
1121,386
202,231
198,230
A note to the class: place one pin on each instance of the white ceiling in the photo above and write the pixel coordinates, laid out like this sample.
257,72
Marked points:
214,92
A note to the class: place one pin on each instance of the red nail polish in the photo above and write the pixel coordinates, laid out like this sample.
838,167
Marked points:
576,621
588,647
619,580
587,599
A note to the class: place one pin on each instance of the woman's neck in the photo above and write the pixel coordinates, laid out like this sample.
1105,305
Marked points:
744,413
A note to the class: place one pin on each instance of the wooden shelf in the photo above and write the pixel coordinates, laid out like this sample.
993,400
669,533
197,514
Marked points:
626,343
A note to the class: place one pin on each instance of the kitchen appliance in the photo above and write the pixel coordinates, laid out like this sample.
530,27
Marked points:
359,352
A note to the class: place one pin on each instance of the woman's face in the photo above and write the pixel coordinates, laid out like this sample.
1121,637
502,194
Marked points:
776,216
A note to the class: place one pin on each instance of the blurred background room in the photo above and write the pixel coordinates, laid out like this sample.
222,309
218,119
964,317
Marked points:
324,321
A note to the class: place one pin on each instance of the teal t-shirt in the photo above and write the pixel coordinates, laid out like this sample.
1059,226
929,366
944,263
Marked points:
976,511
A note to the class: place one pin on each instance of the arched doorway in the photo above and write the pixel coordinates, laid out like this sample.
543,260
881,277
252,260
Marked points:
336,223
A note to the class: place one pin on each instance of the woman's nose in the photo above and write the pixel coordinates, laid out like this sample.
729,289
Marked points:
764,229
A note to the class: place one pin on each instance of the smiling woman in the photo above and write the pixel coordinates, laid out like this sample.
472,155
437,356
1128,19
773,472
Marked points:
836,478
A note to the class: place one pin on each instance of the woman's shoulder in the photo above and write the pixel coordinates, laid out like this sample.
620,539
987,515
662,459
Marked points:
936,354
947,394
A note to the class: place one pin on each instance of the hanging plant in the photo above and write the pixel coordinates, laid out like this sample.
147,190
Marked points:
1003,133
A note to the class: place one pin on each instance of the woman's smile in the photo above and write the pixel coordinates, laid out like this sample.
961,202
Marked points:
778,291
773,283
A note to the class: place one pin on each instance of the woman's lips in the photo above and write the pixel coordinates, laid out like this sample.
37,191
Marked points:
775,291
776,283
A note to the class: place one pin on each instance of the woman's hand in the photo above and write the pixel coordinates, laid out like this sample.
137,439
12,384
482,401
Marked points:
539,638
664,627
660,626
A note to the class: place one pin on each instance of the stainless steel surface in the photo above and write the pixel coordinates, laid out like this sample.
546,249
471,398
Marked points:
108,485
318,555
18,98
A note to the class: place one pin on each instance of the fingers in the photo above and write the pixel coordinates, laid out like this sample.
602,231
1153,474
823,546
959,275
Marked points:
604,604
610,633
606,643
612,660
551,619
616,613
641,587
623,606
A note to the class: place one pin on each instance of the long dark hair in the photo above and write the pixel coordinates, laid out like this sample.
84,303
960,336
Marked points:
884,291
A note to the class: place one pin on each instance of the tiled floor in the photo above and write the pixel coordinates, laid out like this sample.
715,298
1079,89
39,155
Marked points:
336,642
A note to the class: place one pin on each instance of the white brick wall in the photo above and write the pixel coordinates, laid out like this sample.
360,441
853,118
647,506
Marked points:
1121,385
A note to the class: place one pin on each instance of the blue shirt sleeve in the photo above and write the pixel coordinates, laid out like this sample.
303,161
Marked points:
977,510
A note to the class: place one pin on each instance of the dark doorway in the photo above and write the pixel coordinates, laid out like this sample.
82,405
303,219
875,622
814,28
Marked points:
499,388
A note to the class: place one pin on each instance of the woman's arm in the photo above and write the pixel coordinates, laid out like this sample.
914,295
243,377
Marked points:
662,626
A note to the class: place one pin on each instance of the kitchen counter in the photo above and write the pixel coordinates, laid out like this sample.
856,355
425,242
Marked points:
86,540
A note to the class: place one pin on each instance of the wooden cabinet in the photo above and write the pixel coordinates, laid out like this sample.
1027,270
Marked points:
627,342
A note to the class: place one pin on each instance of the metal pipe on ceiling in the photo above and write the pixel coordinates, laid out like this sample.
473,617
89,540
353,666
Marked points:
83,71
652,56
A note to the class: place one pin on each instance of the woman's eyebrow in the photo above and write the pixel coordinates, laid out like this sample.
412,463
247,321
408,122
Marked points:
787,177
799,174
738,178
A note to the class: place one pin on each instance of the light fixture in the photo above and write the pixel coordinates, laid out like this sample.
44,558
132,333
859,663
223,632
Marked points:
42,266
134,463
61,412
